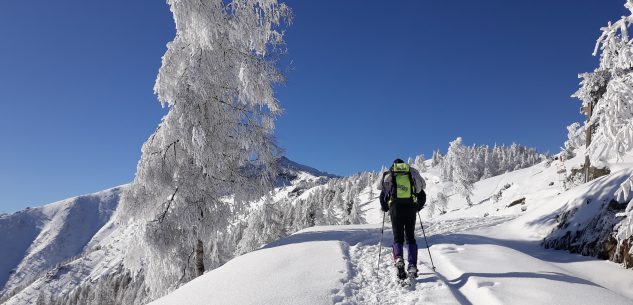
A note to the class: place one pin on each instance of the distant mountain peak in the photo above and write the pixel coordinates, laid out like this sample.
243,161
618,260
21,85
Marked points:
286,164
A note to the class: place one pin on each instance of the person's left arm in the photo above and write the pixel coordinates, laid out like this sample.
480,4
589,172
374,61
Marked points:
420,185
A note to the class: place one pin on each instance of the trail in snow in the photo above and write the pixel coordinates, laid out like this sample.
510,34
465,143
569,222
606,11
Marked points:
370,284
480,261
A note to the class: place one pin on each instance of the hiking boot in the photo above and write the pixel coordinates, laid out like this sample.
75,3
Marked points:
399,263
400,266
412,271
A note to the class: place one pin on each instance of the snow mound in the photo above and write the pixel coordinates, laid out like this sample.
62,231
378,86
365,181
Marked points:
286,272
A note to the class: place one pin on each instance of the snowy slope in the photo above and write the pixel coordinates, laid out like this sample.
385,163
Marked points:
60,246
488,253
35,240
337,265
492,259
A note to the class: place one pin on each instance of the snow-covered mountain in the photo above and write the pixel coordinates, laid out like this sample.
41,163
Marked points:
37,239
486,253
489,252
53,249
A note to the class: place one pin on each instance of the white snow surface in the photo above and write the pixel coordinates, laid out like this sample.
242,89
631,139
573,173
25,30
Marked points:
488,253
59,246
295,271
496,259
36,239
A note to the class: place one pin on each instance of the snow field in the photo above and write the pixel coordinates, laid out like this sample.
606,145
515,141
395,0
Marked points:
308,272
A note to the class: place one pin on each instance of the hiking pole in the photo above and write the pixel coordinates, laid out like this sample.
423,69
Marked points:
382,231
426,241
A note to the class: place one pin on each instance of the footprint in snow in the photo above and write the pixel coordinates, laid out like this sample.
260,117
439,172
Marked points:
486,284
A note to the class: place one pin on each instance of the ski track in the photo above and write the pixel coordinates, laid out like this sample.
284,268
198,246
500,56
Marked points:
367,284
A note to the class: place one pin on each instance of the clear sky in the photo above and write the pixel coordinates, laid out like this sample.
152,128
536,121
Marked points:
369,81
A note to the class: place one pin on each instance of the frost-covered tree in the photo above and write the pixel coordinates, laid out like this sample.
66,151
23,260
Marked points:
607,93
576,139
217,79
419,164
438,203
457,169
436,159
264,225
355,214
607,98
484,162
371,193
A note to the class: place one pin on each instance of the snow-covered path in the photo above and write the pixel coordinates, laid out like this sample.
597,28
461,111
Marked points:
475,264
369,284
488,268
373,285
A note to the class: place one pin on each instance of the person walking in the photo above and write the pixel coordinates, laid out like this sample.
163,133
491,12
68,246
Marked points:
402,195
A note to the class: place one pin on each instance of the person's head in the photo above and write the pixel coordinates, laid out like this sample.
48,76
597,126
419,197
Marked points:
398,161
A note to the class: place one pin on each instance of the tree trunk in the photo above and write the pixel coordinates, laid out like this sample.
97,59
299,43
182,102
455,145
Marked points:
199,258
588,132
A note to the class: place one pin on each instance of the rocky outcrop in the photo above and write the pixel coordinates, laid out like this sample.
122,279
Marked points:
597,238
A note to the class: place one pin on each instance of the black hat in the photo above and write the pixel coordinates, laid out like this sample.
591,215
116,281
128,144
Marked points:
398,161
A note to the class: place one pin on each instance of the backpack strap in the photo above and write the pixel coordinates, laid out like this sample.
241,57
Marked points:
414,192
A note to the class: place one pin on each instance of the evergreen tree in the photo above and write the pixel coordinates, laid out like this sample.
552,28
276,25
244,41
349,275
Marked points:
462,174
355,214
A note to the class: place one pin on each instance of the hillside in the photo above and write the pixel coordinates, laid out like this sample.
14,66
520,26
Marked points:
492,259
54,249
37,239
489,252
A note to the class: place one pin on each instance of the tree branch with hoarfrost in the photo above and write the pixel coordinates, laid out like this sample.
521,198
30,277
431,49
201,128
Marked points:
607,98
215,147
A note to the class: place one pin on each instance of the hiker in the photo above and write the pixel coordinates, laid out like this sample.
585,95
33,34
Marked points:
403,199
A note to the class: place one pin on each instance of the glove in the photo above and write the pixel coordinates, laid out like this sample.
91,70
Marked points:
384,206
421,200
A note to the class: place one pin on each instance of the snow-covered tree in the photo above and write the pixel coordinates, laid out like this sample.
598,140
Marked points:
217,79
419,164
458,169
436,159
484,162
438,203
371,192
607,93
607,99
265,224
575,139
355,214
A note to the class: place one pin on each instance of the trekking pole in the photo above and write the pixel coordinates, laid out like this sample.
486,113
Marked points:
382,231
426,241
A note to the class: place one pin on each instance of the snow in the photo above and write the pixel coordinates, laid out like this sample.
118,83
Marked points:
495,259
98,256
485,266
37,239
299,270
337,264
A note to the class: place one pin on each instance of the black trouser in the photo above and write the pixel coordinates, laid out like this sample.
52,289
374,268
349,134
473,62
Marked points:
403,216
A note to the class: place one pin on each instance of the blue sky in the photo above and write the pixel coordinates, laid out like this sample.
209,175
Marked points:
369,81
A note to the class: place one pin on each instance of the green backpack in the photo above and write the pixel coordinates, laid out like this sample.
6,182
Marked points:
402,187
